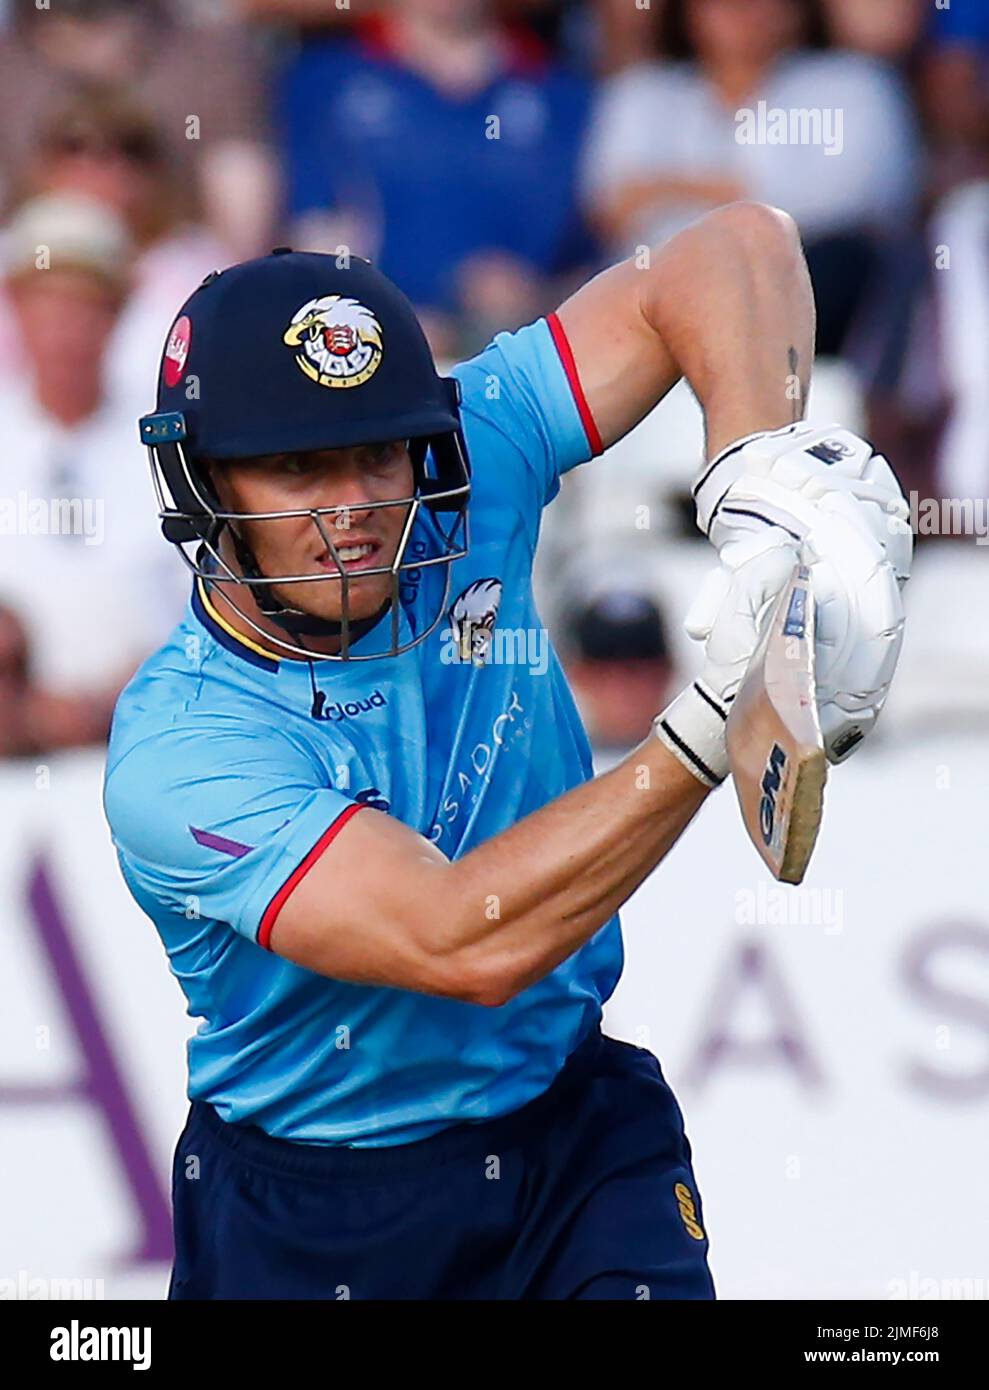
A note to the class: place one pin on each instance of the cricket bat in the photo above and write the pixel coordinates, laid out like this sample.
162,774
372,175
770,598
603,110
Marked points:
775,747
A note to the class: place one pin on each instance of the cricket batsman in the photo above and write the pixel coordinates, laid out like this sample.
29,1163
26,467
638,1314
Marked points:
370,838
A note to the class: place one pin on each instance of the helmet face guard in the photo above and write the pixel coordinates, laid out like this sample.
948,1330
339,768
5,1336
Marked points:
293,353
194,522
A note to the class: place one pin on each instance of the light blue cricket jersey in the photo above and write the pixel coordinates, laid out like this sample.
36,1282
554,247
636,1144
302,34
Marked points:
222,786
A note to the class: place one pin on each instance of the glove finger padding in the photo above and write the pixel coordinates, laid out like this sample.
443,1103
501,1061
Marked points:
859,631
704,609
884,523
735,601
727,614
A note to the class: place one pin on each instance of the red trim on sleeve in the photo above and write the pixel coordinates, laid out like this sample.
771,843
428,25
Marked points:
570,367
293,881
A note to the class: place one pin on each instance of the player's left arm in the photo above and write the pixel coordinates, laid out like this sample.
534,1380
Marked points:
728,305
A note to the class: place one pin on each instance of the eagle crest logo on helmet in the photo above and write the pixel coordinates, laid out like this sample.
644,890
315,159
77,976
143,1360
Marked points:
472,618
337,341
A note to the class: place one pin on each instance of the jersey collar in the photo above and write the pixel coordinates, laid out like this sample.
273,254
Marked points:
255,652
227,635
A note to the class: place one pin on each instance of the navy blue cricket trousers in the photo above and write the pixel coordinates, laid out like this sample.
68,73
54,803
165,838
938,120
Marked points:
585,1192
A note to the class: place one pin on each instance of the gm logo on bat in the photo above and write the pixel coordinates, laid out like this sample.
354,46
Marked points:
771,780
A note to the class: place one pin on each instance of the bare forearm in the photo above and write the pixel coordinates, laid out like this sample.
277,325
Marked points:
484,927
527,899
736,314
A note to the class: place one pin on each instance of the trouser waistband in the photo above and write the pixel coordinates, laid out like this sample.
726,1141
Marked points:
255,1147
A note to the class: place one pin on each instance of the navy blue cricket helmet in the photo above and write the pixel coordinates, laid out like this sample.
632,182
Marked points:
292,352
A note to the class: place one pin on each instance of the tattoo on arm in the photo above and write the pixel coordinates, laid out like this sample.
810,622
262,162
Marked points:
795,385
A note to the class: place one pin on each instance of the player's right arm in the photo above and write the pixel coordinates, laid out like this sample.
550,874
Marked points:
222,819
382,905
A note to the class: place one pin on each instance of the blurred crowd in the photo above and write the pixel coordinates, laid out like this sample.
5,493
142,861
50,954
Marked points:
489,155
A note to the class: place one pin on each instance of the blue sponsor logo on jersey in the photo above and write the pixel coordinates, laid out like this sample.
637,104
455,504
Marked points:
349,709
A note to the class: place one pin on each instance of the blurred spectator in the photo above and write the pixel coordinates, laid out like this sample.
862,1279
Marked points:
15,686
619,665
924,354
560,24
103,145
888,29
957,98
961,288
81,568
202,86
750,111
307,14
627,33
955,92
445,147
964,22
565,26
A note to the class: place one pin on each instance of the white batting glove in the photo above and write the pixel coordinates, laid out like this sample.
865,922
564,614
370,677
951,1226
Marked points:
728,615
794,476
841,501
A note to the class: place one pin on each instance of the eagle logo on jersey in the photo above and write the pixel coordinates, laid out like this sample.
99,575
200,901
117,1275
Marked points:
337,341
472,618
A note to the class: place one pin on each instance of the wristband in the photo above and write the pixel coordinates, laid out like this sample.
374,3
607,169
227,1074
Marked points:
693,729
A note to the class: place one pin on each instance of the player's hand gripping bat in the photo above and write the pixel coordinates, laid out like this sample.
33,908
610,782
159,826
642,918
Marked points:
775,747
